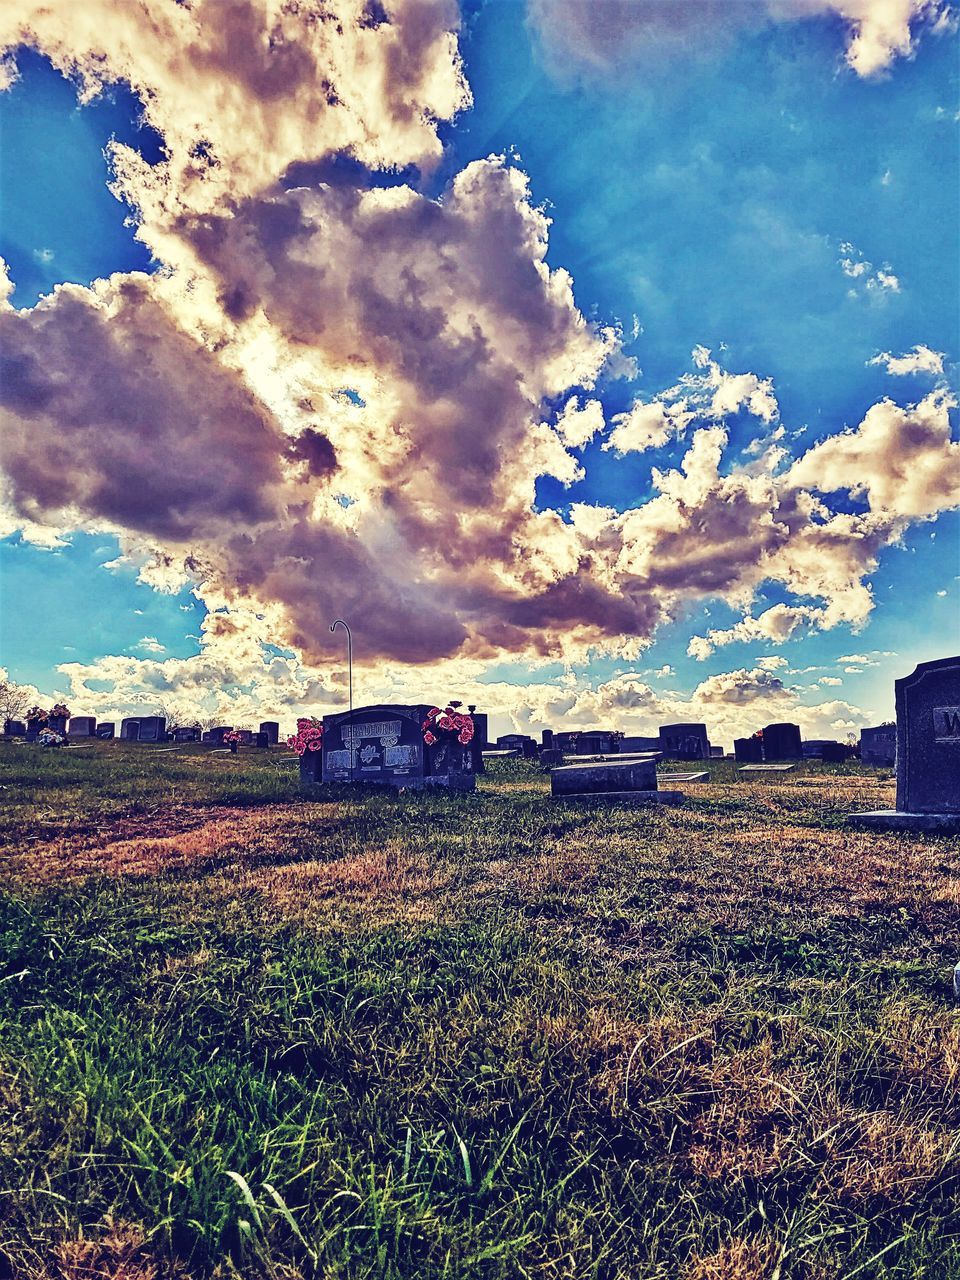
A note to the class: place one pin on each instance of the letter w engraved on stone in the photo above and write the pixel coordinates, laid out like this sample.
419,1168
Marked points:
946,724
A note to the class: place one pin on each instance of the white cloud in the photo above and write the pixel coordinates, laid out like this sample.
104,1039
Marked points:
920,360
582,39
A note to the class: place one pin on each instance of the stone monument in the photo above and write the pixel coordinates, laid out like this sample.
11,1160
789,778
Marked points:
928,752
782,742
878,746
633,779
385,745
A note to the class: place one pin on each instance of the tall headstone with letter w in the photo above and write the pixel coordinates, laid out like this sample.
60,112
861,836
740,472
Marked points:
928,752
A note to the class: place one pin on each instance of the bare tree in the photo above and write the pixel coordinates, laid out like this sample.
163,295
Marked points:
14,701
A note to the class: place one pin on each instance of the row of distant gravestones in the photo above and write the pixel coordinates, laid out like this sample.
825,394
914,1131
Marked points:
139,729
384,744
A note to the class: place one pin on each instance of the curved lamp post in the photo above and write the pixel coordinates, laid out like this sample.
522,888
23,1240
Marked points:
333,626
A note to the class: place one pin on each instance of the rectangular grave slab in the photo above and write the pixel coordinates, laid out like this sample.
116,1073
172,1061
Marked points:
684,777
641,798
639,773
766,768
928,751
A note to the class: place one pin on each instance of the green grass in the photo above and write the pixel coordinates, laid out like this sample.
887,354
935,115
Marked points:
485,1036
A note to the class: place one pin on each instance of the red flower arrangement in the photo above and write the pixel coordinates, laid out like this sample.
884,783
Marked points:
309,736
59,709
448,723
232,736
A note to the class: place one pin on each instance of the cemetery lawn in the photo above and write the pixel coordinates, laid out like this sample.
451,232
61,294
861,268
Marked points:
245,1034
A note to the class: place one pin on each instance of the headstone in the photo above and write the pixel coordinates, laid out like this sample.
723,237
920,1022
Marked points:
106,729
214,737
550,758
521,742
57,724
633,743
716,753
144,729
748,750
480,727
82,727
187,733
593,742
246,736
878,746
825,749
684,742
782,742
261,739
14,729
546,740
272,729
384,745
34,726
928,751
634,779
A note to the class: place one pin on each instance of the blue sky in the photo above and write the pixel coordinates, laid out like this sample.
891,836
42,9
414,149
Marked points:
710,202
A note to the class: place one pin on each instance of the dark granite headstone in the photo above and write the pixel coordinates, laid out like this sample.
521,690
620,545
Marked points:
546,740
826,749
878,746
594,742
82,727
246,736
187,733
782,742
14,729
748,750
57,724
636,742
684,742
106,729
521,742
261,739
33,729
480,728
272,729
384,745
928,738
928,751
550,758
144,729
214,737
632,779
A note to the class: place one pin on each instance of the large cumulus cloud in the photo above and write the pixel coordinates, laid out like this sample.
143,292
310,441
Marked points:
338,399
241,90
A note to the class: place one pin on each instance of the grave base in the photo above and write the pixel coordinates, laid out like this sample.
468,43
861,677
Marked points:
625,797
897,820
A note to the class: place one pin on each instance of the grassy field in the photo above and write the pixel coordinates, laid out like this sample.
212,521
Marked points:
244,1034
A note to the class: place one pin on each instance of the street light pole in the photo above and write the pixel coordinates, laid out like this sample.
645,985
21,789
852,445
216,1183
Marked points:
333,626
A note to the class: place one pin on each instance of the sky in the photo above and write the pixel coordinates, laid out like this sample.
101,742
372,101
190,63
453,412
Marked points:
596,362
